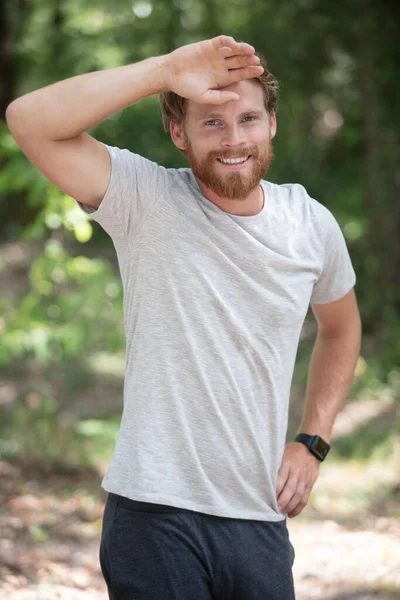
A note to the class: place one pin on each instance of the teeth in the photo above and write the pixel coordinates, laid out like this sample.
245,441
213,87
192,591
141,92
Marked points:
233,161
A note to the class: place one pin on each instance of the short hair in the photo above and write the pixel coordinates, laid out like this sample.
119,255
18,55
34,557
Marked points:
173,107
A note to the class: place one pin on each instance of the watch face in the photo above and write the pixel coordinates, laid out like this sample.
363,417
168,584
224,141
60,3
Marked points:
320,446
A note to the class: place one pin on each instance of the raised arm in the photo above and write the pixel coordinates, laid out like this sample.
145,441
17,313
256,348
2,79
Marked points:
50,124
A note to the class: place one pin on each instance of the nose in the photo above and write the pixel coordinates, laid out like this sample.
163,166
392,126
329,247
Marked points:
233,136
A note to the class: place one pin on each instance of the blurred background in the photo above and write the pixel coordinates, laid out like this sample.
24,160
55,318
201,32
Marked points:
61,323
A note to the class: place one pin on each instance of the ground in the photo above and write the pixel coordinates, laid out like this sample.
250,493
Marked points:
347,539
50,526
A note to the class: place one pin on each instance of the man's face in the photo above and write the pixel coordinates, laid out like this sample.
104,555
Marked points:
240,130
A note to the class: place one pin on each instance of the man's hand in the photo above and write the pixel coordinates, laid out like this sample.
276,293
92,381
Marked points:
297,475
198,71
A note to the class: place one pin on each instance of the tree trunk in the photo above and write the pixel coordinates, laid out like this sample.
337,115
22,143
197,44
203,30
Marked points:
376,244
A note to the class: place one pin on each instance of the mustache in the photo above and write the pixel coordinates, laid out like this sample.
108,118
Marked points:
250,150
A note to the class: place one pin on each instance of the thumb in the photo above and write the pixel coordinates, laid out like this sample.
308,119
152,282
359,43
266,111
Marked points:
218,97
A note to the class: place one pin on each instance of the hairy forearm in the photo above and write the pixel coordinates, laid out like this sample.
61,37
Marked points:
69,107
330,375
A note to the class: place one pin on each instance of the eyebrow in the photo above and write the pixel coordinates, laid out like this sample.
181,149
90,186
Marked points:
220,115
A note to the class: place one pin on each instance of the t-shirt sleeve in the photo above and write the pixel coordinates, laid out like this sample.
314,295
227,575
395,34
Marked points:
337,276
135,185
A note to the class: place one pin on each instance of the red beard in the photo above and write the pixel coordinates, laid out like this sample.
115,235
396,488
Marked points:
235,185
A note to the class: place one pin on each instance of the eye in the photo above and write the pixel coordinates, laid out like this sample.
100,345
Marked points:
250,117
211,122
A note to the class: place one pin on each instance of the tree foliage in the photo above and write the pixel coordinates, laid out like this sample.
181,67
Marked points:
338,135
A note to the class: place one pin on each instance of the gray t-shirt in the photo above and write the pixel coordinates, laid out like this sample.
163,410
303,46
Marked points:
213,309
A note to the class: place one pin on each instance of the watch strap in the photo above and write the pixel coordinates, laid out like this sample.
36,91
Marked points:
316,445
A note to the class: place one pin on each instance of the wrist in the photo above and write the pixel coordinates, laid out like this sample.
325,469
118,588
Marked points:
307,454
315,444
165,67
150,76
316,429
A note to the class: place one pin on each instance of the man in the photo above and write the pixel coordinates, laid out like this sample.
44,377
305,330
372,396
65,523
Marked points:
219,267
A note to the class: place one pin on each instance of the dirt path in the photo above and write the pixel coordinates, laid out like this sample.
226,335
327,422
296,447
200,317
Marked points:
50,527
334,562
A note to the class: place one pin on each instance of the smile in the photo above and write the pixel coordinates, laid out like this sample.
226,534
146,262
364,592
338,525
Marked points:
233,161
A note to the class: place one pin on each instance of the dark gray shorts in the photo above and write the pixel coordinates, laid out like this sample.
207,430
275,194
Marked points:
157,552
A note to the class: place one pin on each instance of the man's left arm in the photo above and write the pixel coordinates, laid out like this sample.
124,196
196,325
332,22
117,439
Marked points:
330,375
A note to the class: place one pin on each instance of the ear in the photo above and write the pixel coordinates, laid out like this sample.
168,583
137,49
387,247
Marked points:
272,123
177,135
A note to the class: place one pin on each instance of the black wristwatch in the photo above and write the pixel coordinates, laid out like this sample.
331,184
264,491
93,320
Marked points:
315,444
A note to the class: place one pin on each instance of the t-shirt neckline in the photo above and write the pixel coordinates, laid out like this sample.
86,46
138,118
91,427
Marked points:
244,219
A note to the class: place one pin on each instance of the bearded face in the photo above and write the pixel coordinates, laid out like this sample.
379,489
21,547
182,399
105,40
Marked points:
232,174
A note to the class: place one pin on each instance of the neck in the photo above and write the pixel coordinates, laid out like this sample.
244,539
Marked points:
247,207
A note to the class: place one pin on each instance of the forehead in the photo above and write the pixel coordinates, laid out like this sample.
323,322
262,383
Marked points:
251,97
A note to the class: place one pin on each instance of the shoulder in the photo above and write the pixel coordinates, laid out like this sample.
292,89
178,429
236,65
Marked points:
294,199
132,160
299,202
296,194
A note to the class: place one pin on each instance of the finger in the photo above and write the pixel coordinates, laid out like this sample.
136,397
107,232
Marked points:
295,501
283,476
299,500
286,496
244,48
224,40
237,62
296,510
244,73
230,42
217,97
225,51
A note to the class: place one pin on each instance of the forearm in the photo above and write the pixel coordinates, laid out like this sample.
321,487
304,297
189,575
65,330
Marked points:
330,375
67,108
